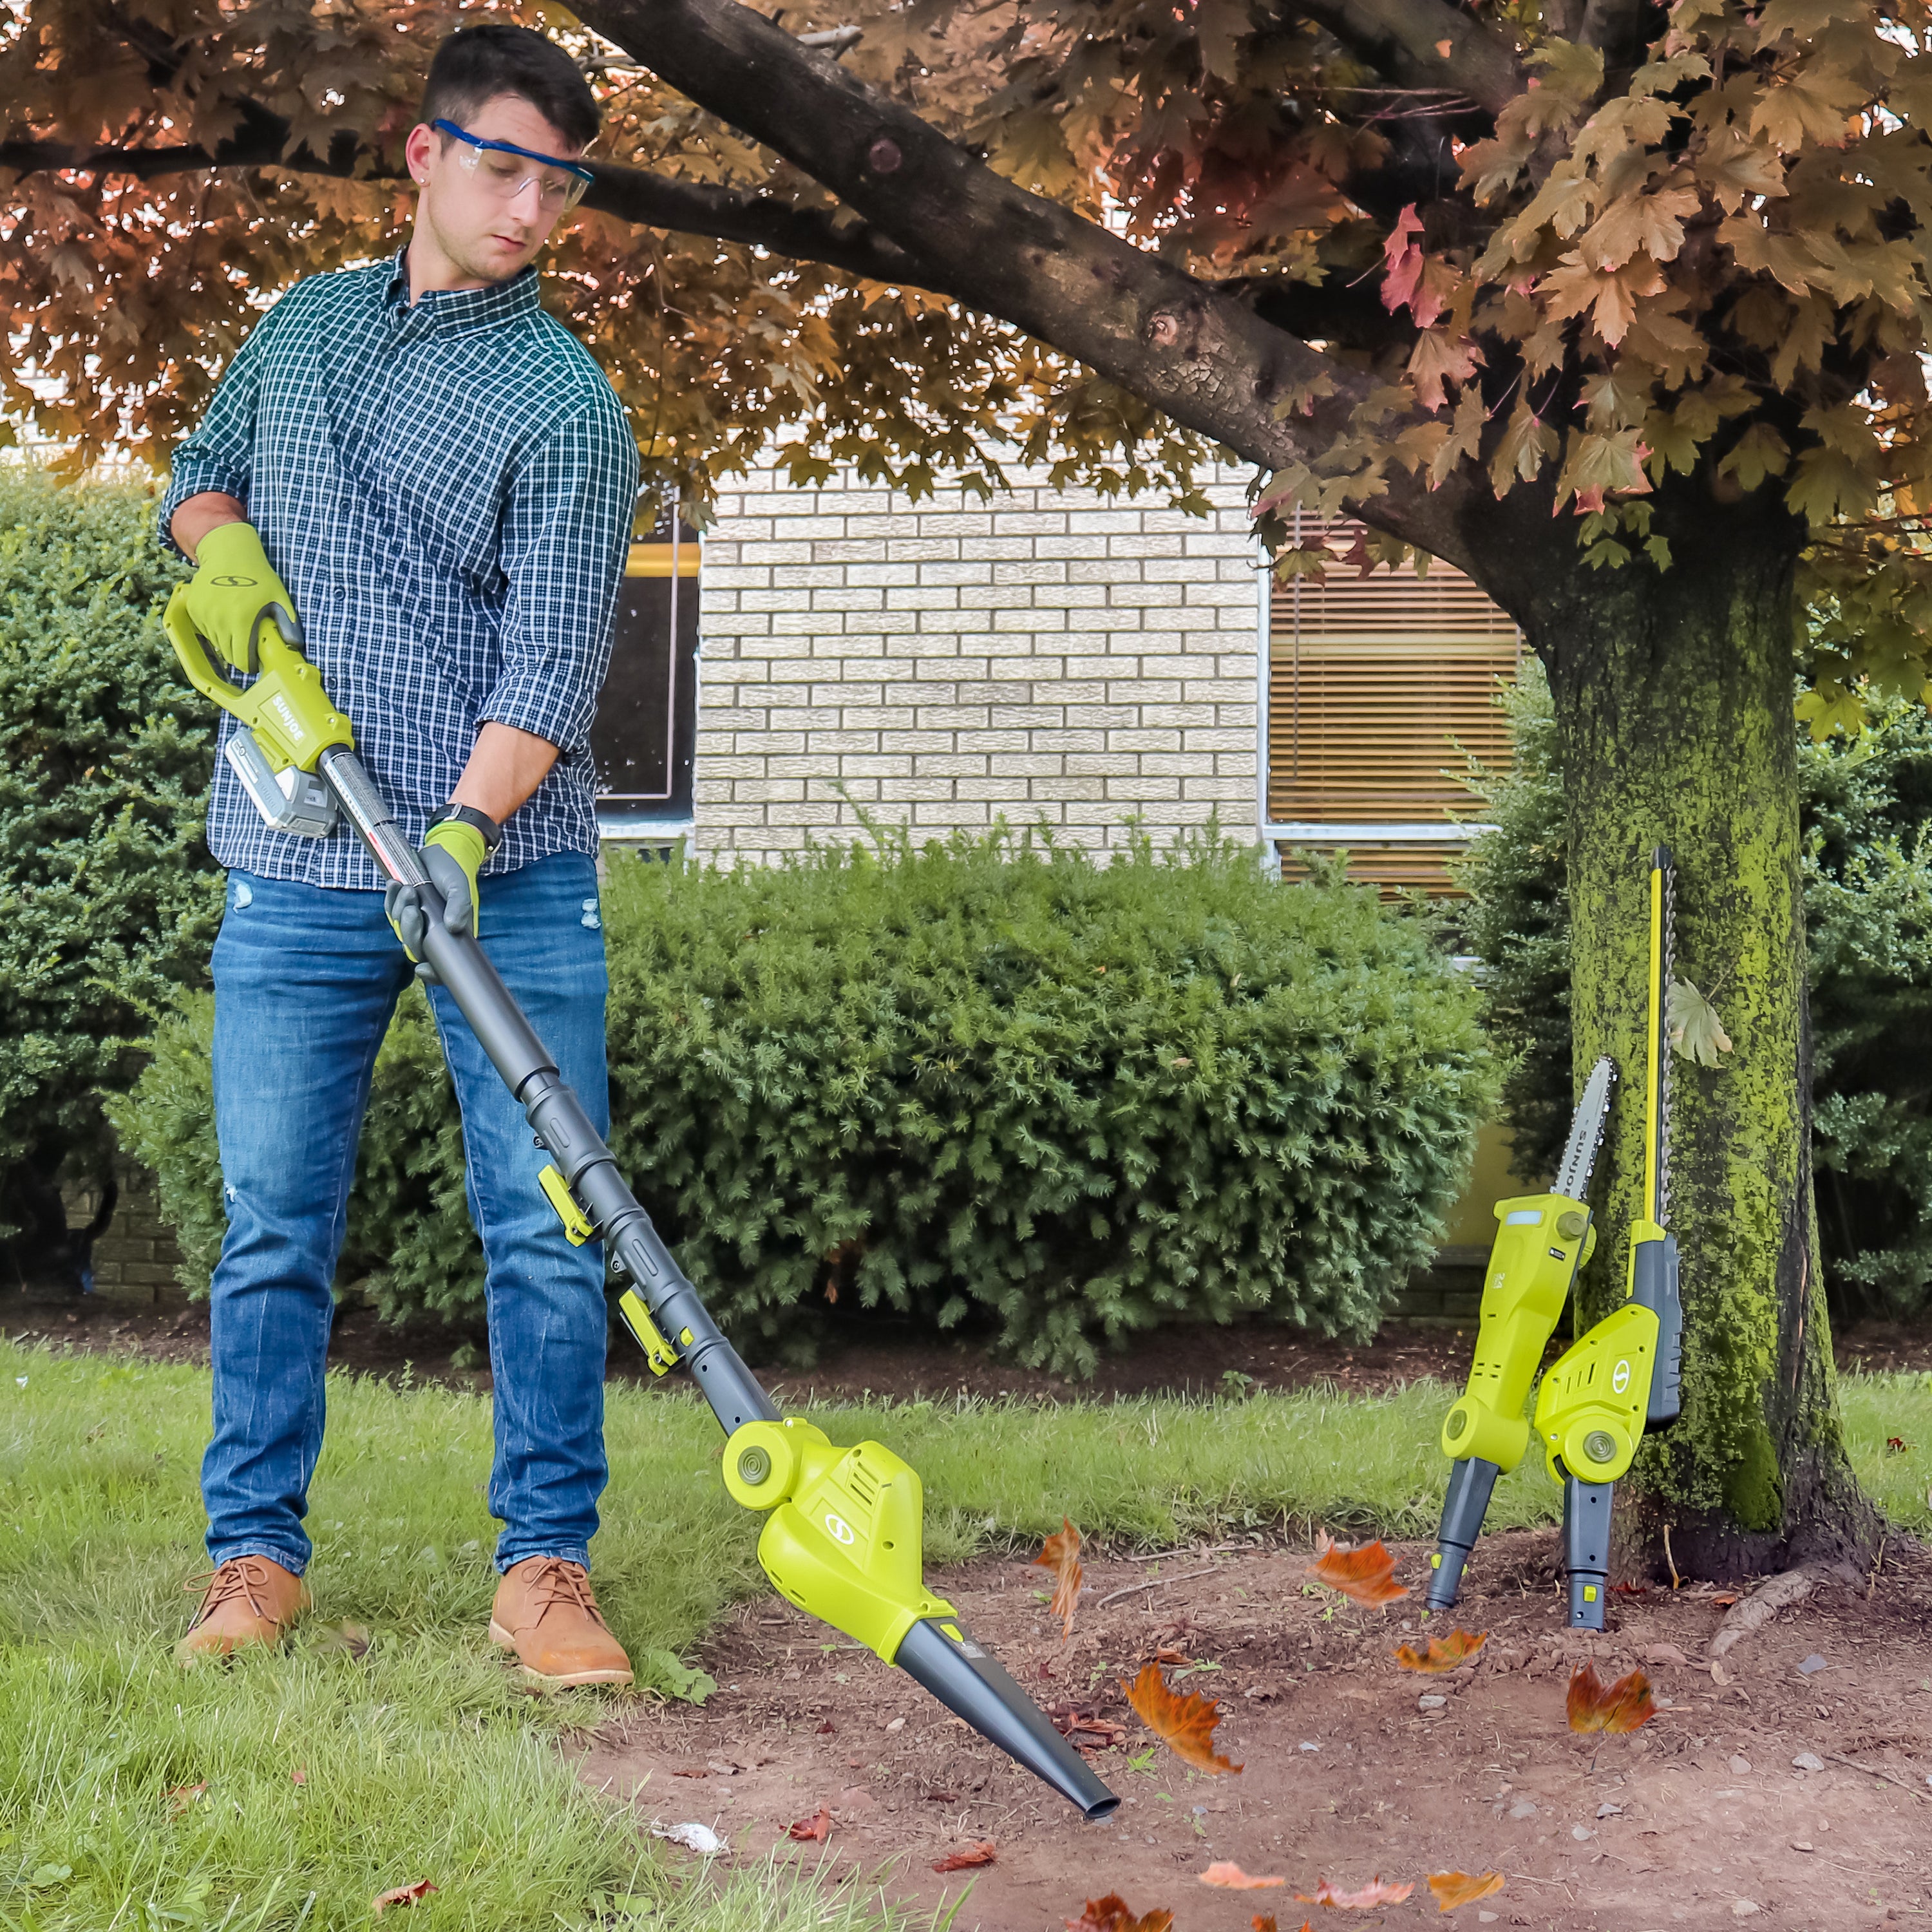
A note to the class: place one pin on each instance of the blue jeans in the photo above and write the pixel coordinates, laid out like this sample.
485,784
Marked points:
305,980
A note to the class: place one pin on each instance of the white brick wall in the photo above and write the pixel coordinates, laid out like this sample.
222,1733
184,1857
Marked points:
1049,655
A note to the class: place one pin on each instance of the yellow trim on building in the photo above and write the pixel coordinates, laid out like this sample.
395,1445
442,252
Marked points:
653,559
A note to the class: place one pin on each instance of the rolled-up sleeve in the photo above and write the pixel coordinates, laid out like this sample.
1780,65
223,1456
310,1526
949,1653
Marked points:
221,453
566,531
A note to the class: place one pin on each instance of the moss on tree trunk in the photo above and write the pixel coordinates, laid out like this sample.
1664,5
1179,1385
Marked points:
1673,702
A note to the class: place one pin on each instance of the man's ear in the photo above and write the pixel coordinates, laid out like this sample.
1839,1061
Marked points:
416,150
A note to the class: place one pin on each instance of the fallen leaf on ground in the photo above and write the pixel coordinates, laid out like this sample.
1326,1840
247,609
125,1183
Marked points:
968,1856
1453,1889
812,1831
1264,1922
1235,1880
1364,1576
1896,1445
1061,1554
1186,1725
183,1796
404,1894
691,1774
299,1776
1171,1653
828,1729
1113,1914
1085,1732
1724,1599
1374,1893
1623,1707
1442,1653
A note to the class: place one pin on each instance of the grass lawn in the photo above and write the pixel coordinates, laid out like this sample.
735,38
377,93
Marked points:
134,1796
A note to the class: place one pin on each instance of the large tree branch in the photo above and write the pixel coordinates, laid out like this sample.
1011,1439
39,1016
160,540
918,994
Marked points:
1202,355
1405,42
631,194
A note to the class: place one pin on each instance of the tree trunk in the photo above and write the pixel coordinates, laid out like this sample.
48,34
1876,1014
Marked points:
1673,699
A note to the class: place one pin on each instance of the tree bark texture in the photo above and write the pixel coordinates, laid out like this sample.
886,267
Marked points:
1673,702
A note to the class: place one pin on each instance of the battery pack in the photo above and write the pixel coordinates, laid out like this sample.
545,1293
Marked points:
294,801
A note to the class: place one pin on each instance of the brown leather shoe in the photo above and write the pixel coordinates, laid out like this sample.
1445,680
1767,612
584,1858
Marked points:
545,1611
248,1600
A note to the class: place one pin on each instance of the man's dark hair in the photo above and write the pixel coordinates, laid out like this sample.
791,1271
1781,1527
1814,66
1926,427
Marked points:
476,64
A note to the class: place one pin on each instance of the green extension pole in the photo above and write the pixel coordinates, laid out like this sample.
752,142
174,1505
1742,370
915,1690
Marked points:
843,1528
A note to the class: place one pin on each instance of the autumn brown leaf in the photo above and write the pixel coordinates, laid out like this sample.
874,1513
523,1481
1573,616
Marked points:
183,1796
1060,1554
968,1857
404,1894
1441,1654
1453,1889
1264,1922
1113,1914
1374,1893
812,1831
1366,1575
1186,1725
1233,1879
1623,1707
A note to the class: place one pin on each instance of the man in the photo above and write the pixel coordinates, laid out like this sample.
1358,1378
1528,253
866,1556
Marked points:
438,481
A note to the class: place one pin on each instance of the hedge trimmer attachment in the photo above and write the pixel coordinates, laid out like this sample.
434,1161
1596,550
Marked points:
843,1528
1593,1406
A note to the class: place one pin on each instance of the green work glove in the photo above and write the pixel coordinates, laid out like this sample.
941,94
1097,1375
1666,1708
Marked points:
453,852
232,580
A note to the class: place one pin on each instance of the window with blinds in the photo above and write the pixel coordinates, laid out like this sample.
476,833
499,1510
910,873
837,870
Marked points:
1377,686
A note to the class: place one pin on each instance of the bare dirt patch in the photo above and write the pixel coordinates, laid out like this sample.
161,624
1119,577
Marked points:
1700,1819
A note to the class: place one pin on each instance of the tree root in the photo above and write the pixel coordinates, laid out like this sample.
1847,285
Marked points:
1752,1612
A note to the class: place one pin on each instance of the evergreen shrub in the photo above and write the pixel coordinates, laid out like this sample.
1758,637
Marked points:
108,898
1865,806
983,1083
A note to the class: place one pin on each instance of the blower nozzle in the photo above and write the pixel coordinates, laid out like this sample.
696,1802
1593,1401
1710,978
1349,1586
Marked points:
975,1686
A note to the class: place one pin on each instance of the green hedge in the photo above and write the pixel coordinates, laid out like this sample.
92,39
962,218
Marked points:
1865,803
977,1083
108,898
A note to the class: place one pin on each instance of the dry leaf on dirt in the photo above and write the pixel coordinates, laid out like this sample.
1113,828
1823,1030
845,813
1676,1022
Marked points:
404,1894
968,1856
1083,1733
1113,1914
1896,1445
1443,1653
1186,1725
1623,1707
1061,1554
1364,1576
812,1831
1453,1889
1235,1880
1264,1922
1374,1893
183,1796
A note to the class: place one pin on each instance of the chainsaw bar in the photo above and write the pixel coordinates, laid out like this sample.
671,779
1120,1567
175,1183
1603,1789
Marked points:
1586,1133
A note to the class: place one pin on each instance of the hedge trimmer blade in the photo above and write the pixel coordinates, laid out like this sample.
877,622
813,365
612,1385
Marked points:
1663,964
1586,1132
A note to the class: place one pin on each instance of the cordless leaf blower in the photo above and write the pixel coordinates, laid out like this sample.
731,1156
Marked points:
843,1528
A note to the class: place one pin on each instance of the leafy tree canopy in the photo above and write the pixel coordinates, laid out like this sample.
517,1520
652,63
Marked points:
1446,265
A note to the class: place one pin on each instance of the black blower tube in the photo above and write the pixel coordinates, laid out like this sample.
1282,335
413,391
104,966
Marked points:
1586,1548
974,1685
1471,1481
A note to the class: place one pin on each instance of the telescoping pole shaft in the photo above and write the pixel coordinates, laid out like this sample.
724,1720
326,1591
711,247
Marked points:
556,1115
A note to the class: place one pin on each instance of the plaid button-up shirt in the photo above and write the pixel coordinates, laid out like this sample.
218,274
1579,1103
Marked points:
447,491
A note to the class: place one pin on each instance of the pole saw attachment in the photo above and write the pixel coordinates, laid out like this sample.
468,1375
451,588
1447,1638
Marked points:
843,1528
1542,1240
